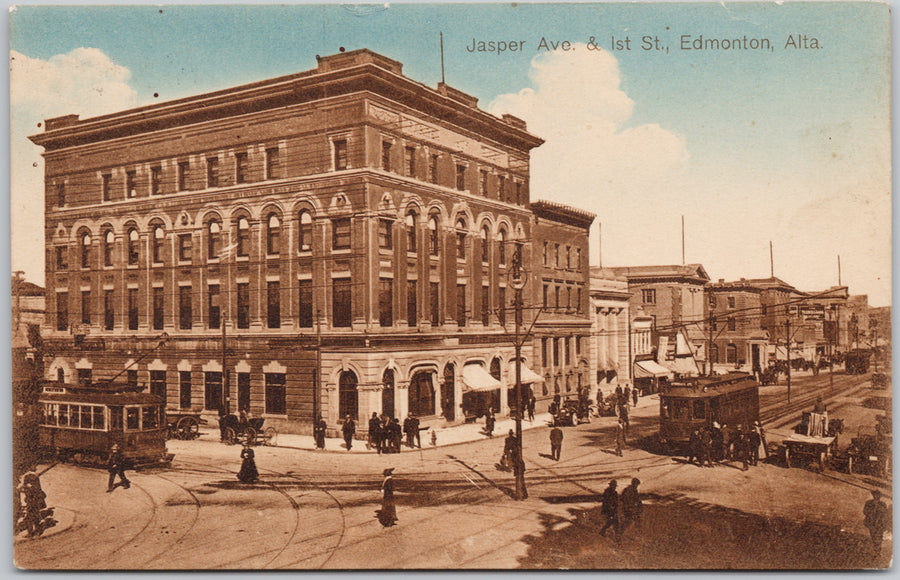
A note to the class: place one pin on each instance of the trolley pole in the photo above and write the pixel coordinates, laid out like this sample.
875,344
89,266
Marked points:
226,398
787,324
518,461
316,371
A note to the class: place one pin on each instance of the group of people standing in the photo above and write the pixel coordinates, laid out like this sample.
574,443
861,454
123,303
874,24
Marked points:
386,433
709,444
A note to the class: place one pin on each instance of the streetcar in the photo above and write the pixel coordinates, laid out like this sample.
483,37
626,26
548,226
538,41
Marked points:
81,423
689,404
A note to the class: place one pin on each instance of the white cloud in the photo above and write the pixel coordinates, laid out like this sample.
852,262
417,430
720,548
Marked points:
84,82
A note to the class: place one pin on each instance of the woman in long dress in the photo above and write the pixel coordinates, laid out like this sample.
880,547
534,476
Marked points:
388,513
248,472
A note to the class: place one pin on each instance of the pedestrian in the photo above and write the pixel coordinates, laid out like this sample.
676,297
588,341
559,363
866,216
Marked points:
705,447
742,448
762,437
694,447
553,409
755,441
620,396
620,436
248,472
530,406
876,519
634,395
396,435
407,430
374,439
632,506
115,465
718,443
349,430
489,422
319,432
610,509
388,513
556,439
626,395
509,449
223,422
36,517
414,427
623,413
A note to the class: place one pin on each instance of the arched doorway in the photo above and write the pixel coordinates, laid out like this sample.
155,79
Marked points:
421,394
495,394
448,392
387,393
348,396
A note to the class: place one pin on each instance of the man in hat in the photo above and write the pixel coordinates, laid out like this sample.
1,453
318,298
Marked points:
632,507
388,513
556,439
876,518
319,432
349,430
610,509
116,466
762,437
375,432
755,441
620,436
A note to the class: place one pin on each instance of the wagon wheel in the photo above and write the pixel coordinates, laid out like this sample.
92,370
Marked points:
230,437
271,435
248,436
787,457
187,428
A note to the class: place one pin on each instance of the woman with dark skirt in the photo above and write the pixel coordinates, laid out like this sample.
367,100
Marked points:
248,472
387,515
319,432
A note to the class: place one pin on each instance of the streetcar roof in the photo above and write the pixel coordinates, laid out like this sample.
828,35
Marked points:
711,387
98,398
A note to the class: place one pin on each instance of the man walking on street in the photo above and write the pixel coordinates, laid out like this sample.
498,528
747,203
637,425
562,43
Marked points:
319,432
610,509
876,519
414,426
755,441
632,507
116,466
556,439
375,432
620,436
531,403
349,430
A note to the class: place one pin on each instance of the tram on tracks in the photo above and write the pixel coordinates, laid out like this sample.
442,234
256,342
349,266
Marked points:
692,403
81,423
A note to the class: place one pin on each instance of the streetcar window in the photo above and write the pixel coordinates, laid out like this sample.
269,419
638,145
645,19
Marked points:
680,410
73,416
664,409
51,413
99,422
149,418
115,418
63,415
132,418
86,416
699,409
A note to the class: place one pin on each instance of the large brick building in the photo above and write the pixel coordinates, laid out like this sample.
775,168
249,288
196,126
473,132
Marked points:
346,232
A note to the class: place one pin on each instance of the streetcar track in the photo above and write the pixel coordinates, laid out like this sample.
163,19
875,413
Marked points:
194,521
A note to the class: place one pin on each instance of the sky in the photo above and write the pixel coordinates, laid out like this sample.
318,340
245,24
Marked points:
789,144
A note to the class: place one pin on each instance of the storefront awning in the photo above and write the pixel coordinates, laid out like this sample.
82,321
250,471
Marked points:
475,378
684,365
528,375
649,368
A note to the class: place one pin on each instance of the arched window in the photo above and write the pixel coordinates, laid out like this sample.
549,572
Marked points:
243,236
86,249
485,244
421,394
434,235
213,239
502,247
304,241
461,239
159,239
348,396
273,235
387,393
411,225
133,246
495,368
731,354
448,392
109,241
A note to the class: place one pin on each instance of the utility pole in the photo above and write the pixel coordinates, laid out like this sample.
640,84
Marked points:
226,398
316,372
874,324
709,342
518,282
831,337
787,324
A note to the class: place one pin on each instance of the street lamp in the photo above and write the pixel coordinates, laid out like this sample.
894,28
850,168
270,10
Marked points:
518,281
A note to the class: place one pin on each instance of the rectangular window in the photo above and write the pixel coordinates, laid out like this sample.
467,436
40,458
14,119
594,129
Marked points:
519,200
732,324
544,359
130,183
158,384
483,184
501,305
131,377
62,311
243,305
485,306
385,234
184,307
243,389
386,155
386,302
184,389
341,302
86,307
556,255
241,165
212,172
106,177
567,346
109,316
132,309
61,194
182,177
546,292
546,254
62,262
184,247
85,377
578,307
212,399
273,304
411,297
557,302
409,160
461,304
433,167
435,296
306,307
731,302
501,187
272,166
556,352
155,180
568,257
340,154
577,346
460,177
340,235
648,296
214,306
578,259
158,308
275,394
